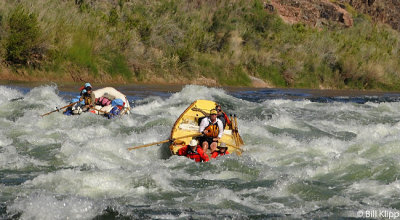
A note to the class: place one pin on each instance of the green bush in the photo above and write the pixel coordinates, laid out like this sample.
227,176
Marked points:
23,40
113,17
224,40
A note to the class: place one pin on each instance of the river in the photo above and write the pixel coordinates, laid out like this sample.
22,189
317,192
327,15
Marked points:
307,154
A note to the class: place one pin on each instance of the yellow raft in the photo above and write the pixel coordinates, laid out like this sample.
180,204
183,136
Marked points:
187,125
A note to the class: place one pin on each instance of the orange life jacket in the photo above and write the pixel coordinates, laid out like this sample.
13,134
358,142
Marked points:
213,129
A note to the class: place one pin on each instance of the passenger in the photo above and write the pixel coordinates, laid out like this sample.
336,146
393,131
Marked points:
212,128
193,151
223,116
223,150
75,109
118,105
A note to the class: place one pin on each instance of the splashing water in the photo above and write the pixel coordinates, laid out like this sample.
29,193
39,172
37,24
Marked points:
307,157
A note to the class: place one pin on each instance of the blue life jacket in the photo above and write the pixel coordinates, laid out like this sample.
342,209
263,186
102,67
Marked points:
68,112
114,112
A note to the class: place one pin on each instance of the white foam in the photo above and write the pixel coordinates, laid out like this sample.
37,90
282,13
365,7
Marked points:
7,94
11,159
44,206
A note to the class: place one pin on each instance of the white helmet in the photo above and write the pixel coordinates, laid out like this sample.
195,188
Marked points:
193,142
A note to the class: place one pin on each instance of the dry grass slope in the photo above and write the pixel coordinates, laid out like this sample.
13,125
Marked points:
228,42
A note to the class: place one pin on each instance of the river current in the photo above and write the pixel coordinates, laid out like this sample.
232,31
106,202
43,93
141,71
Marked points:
305,156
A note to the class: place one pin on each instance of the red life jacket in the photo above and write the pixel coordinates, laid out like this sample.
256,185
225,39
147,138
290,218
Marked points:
216,154
197,155
228,122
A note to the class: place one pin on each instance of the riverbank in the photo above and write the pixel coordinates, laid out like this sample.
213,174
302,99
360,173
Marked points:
133,89
224,43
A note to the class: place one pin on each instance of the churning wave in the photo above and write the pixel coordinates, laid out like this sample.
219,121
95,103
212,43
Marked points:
306,157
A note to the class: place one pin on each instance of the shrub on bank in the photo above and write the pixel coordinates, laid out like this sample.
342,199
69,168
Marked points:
22,44
227,40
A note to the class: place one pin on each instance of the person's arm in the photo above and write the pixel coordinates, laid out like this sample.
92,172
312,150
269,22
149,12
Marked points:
203,156
221,128
203,125
182,151
214,154
228,122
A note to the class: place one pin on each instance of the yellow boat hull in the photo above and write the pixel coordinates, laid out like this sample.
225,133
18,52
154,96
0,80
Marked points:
187,124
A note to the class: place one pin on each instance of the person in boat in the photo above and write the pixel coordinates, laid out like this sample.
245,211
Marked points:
87,85
212,129
88,97
194,152
222,116
223,150
75,109
118,105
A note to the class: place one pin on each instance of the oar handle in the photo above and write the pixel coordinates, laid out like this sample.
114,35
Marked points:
233,146
58,109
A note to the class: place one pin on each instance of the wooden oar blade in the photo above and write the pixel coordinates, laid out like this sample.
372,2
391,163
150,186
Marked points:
147,145
237,131
235,138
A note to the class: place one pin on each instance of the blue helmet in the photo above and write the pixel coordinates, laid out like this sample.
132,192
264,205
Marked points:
88,85
84,91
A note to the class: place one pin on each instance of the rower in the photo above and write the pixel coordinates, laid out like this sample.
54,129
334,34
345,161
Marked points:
88,97
212,129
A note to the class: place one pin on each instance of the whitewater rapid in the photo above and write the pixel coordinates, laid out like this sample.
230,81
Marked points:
302,159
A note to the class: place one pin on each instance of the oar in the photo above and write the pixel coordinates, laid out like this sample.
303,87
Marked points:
16,99
233,146
200,110
237,131
164,141
234,131
100,111
108,113
58,109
